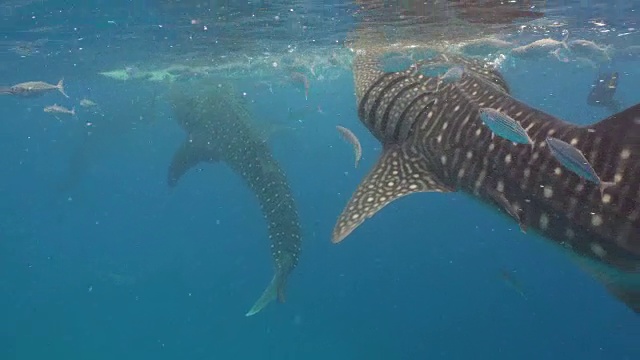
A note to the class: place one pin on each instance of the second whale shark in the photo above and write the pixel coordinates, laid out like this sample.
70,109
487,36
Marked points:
219,129
434,140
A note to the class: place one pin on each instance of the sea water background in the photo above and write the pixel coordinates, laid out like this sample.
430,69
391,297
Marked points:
119,266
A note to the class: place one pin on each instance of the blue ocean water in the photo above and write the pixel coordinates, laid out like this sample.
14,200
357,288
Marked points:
99,259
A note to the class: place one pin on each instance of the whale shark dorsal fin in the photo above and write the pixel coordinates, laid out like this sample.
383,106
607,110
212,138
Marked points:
188,155
400,171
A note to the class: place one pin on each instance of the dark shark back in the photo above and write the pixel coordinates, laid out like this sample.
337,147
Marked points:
601,230
572,204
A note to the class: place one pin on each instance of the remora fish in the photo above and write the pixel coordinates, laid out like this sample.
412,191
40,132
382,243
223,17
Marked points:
436,142
219,129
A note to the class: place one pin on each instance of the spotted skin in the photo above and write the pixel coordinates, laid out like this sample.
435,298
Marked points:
219,129
435,141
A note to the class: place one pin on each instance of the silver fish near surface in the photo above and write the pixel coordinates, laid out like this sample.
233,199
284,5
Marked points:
504,126
437,142
484,46
540,48
573,159
219,129
590,50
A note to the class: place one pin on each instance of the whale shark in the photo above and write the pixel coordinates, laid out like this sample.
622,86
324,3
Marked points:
434,140
219,129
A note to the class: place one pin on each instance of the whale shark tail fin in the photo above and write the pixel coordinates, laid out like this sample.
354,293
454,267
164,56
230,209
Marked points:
275,290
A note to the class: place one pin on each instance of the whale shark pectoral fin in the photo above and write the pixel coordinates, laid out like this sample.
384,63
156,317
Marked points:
274,290
508,207
187,156
400,171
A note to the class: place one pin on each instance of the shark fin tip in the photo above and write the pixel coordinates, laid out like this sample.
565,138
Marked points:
399,164
271,293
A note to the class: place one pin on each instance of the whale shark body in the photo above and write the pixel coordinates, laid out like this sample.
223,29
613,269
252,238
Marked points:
434,141
219,130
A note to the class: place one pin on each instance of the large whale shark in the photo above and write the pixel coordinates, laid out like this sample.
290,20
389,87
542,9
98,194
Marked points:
435,141
219,129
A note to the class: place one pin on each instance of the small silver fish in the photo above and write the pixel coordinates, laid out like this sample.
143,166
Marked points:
57,109
504,126
540,48
484,46
36,88
353,140
573,159
87,103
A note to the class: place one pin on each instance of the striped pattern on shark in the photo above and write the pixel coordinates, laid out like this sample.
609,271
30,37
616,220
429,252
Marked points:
435,141
219,130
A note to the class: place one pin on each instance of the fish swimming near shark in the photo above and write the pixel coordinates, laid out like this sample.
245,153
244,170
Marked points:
484,46
540,48
436,142
503,125
219,129
509,278
34,88
573,160
58,109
